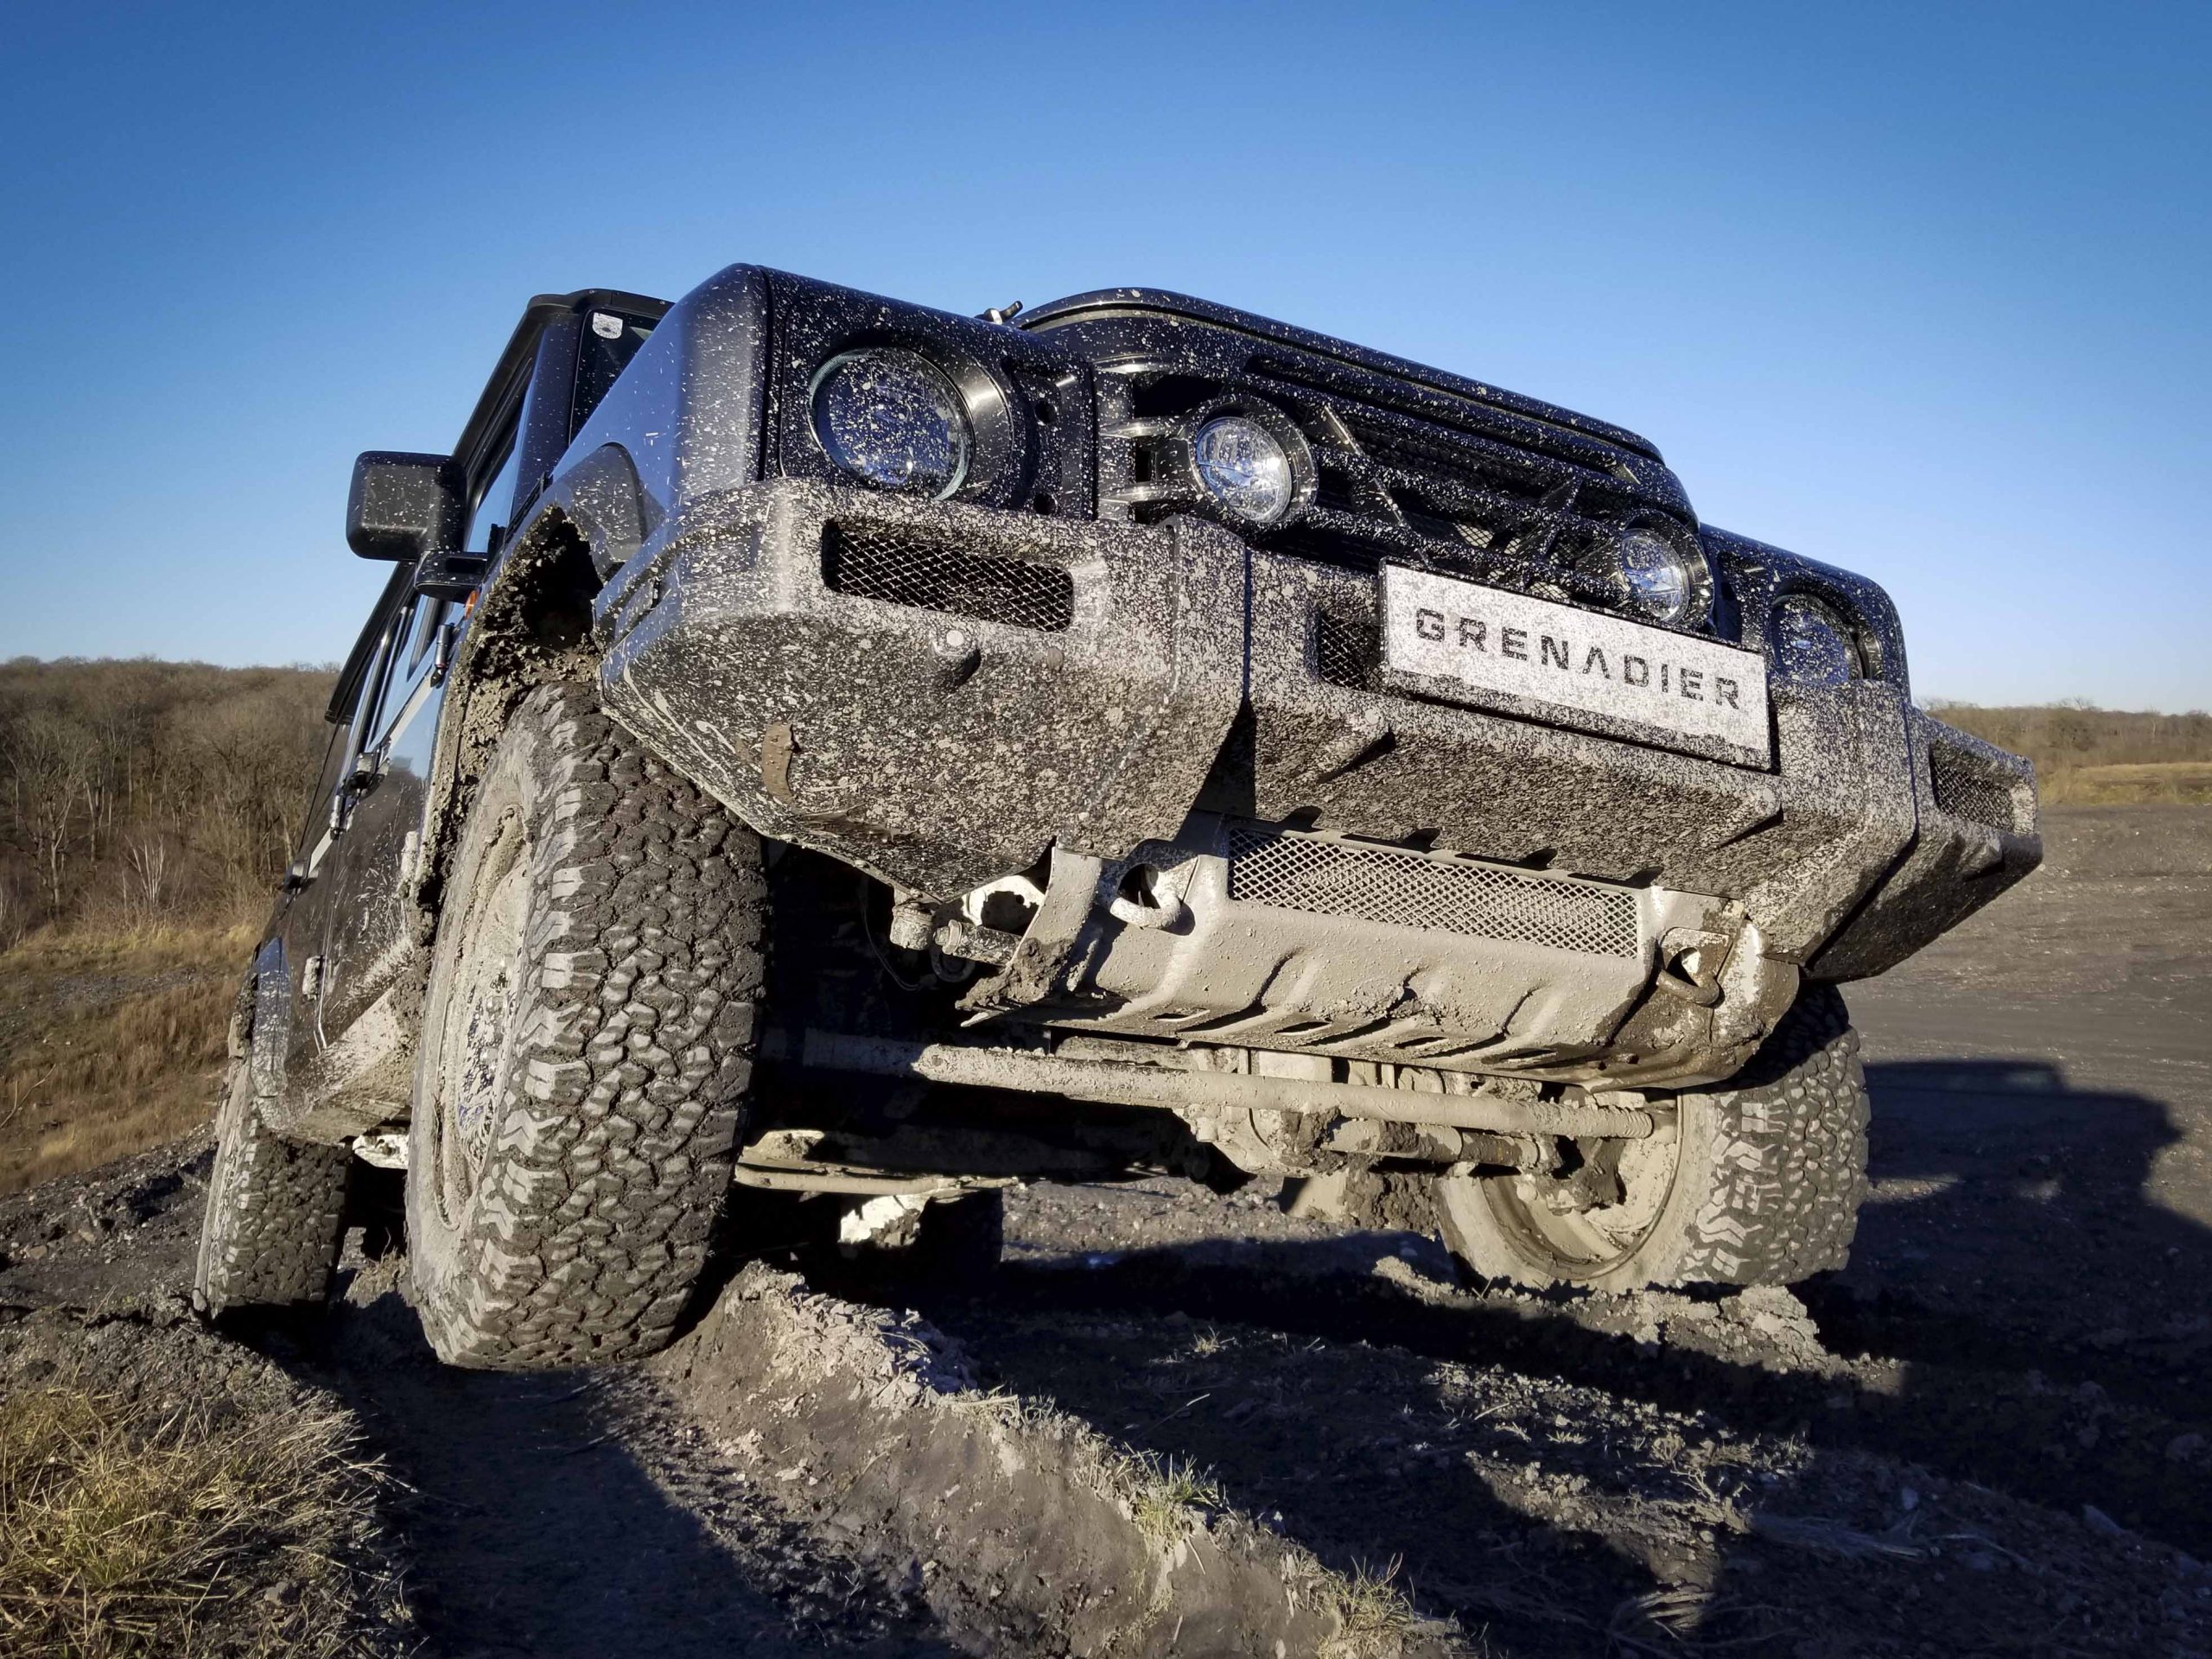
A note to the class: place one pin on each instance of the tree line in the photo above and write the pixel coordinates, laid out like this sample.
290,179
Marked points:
138,792
2067,736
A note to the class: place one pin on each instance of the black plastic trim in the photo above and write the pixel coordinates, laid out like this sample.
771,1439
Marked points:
1106,303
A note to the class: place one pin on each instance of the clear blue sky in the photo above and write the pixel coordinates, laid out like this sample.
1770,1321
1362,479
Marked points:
1919,289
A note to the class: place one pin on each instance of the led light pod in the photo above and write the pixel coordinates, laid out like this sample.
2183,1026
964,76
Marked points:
1245,468
892,418
1813,646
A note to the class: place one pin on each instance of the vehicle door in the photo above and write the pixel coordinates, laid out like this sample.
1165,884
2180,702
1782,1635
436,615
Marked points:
291,971
371,941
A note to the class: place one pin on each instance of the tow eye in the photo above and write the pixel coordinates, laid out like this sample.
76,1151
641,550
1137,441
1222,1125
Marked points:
1689,966
1141,900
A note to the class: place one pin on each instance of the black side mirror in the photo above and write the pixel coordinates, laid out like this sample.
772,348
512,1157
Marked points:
404,507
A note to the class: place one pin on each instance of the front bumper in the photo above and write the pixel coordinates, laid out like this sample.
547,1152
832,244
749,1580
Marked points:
939,694
935,748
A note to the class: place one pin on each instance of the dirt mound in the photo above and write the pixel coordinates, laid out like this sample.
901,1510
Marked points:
123,1230
1574,1475
1026,1530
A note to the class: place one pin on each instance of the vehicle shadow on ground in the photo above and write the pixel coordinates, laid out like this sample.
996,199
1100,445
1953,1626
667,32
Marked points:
2023,1176
2014,1230
549,1538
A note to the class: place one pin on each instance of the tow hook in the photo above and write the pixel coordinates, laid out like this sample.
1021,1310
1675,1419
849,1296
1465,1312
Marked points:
1141,899
1689,966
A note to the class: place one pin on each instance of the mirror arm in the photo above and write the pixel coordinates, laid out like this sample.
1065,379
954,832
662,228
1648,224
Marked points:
451,575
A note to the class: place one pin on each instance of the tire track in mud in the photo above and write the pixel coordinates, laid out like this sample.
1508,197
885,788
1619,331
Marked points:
802,1473
1024,1529
562,1514
565,1515
1963,1416
1577,1476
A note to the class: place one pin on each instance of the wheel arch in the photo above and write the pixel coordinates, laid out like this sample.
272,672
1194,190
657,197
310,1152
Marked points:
530,624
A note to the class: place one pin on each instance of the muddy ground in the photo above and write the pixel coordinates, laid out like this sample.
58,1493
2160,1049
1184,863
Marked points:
1988,1435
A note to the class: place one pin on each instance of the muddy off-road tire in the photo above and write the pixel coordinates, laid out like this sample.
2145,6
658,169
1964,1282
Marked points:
586,1053
268,1238
1758,1183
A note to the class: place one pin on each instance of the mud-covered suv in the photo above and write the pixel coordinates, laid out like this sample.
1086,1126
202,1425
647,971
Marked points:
820,757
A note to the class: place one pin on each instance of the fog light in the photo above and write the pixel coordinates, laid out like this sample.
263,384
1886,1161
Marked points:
1245,468
1812,645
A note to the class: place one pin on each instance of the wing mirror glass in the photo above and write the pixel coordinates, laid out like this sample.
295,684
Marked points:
404,507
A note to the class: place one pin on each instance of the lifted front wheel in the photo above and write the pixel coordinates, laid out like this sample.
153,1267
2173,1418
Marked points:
1758,1183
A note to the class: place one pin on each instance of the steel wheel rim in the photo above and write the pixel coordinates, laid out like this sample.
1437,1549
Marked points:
1591,1243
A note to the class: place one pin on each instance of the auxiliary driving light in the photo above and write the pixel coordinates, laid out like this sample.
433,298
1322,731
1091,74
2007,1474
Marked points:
1657,575
1812,645
1245,468
892,418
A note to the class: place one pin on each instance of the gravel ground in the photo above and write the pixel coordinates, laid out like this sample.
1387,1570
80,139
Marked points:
1990,1434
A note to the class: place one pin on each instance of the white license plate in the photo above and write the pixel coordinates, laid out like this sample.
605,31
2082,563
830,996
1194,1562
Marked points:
1468,644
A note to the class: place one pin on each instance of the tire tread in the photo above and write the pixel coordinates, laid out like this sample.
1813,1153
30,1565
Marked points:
611,1155
1789,1172
275,1209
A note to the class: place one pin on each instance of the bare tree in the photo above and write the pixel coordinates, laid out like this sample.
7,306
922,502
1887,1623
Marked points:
148,788
50,757
146,880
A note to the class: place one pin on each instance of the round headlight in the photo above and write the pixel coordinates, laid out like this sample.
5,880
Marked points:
891,418
1812,645
1245,468
1657,575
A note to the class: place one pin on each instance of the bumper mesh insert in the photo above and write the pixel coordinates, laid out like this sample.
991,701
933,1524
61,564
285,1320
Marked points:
1968,786
1348,648
905,566
1408,889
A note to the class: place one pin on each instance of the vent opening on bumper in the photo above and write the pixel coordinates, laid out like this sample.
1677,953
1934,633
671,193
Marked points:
1408,889
902,565
1348,648
1968,786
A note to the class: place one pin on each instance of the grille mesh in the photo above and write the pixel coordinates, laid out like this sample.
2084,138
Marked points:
1403,472
1348,648
905,566
1968,786
1380,884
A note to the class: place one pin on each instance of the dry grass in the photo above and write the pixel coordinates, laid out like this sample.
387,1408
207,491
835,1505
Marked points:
1167,1497
2173,782
2086,756
126,1530
1375,1616
109,1044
